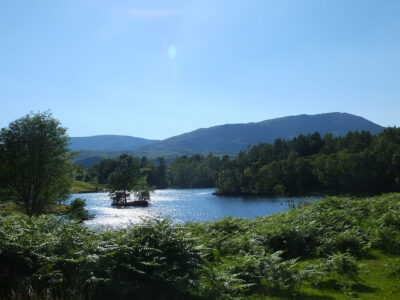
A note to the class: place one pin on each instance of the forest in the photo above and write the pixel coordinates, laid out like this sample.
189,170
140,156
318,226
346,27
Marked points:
355,163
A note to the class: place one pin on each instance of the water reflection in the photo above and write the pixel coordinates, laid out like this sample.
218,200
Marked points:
182,205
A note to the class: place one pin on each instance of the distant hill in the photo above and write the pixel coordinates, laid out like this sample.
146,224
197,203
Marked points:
223,139
108,143
90,157
231,138
94,148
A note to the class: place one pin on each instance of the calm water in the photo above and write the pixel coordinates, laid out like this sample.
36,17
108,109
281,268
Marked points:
182,205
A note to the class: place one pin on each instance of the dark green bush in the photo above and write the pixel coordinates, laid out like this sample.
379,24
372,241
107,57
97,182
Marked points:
393,270
77,210
343,264
292,242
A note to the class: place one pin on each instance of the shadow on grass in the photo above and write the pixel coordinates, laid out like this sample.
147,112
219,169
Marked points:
304,296
334,285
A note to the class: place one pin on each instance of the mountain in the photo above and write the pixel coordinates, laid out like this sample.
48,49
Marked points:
108,143
231,138
94,148
223,139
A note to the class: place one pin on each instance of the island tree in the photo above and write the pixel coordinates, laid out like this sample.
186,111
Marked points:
35,166
126,179
120,185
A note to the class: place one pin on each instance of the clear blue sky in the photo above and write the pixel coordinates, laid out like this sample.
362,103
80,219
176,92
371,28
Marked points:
155,69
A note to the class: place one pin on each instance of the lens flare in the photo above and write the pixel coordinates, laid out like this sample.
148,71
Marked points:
172,52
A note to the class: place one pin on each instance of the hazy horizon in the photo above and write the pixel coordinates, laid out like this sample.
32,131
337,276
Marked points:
157,69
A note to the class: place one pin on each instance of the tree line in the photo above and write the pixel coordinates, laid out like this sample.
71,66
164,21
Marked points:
356,163
194,171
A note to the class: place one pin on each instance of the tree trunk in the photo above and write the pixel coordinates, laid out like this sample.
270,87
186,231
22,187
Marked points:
28,207
34,208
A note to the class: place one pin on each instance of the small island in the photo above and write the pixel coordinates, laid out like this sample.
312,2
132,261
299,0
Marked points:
122,198
128,186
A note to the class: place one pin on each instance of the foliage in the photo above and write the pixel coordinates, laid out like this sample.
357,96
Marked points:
35,164
393,270
195,171
123,179
355,163
47,258
320,247
343,264
77,211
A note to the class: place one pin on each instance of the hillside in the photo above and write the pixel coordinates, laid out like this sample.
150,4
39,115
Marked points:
231,138
108,143
223,139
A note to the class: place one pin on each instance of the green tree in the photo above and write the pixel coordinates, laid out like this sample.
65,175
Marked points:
80,172
161,173
144,162
36,167
77,210
124,179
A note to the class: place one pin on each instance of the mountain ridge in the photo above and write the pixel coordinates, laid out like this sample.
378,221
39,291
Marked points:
108,142
232,138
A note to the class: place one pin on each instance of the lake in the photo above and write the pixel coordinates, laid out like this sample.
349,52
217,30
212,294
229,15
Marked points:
182,205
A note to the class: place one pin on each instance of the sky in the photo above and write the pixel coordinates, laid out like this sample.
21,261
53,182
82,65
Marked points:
155,69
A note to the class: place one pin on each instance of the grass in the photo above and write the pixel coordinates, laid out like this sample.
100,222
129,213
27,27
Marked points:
11,208
375,282
84,187
57,209
374,273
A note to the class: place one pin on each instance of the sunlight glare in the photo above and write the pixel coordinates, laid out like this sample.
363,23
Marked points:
172,52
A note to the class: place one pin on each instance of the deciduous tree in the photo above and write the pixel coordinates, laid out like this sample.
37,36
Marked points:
35,167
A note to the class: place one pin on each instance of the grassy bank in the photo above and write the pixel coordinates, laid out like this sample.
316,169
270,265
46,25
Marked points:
84,187
338,248
10,208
